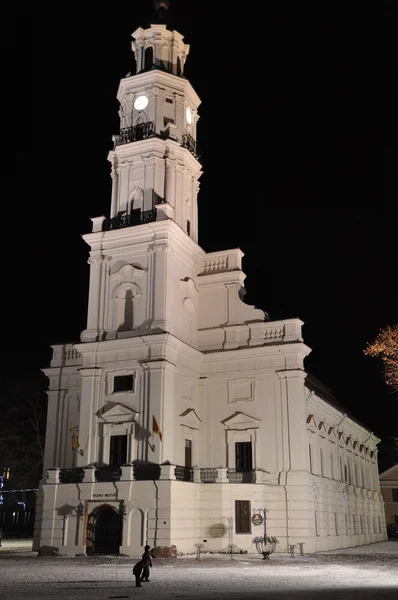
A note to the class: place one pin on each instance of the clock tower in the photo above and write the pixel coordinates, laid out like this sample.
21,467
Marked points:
155,156
155,169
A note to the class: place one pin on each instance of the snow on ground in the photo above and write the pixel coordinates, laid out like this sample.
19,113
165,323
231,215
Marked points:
366,572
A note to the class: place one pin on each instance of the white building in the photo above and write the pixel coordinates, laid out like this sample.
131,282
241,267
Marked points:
244,426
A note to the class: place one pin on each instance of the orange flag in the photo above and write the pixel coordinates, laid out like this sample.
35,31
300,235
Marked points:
156,428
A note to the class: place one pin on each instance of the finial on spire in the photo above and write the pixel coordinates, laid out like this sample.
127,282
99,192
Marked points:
161,14
161,4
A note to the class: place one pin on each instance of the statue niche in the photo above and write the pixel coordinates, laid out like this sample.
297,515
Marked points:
125,317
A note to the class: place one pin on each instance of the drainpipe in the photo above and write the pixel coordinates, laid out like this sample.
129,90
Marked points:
286,513
155,537
338,446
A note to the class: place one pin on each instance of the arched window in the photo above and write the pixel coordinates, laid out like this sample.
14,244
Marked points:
124,307
136,205
148,58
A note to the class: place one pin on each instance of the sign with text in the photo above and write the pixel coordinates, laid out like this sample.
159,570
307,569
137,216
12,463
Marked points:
257,519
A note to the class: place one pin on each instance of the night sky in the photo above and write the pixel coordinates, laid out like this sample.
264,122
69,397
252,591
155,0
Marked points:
299,151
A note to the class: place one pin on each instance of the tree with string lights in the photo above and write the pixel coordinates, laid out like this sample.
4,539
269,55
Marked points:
385,347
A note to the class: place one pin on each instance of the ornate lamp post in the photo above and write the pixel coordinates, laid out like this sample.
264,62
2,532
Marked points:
265,545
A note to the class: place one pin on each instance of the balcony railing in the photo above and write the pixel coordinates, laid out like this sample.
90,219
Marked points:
191,145
183,473
108,474
135,133
71,475
237,476
146,472
131,220
152,472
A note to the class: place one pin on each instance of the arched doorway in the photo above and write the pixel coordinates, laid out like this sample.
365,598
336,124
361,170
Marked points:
104,530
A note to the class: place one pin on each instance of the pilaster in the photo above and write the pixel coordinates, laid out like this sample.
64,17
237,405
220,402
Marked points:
90,403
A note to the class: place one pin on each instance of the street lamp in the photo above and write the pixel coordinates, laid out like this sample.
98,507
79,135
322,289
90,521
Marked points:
265,545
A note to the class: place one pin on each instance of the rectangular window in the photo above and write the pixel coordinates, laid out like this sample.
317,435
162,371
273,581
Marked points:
310,457
331,466
354,524
189,227
345,473
123,383
379,520
167,120
169,100
188,453
118,450
345,524
243,456
395,495
336,523
242,516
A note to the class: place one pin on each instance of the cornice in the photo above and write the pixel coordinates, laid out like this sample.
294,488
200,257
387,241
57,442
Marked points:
142,82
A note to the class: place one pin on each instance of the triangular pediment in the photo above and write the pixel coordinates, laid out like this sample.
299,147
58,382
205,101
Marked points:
189,418
391,474
241,420
119,413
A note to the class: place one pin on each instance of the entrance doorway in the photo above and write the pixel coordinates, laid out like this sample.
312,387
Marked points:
104,530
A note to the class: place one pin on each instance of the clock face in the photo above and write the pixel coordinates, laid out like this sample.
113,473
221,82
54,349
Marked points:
141,102
188,114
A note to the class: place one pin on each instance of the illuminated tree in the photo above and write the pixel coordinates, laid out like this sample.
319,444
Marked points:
385,346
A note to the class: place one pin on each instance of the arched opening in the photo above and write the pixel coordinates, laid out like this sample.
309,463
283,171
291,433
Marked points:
136,206
179,69
104,530
128,309
148,58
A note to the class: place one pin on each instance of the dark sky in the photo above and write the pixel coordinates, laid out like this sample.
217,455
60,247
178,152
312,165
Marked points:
299,152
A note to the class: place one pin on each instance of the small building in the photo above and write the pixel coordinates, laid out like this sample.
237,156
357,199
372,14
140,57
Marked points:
389,491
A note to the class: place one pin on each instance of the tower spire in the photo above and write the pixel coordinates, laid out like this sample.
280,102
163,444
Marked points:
161,14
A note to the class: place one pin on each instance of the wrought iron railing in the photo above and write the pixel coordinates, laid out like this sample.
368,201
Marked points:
189,143
135,133
183,473
130,220
208,475
71,475
108,474
238,476
146,472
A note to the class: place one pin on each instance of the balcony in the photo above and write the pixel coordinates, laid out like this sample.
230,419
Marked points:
154,472
191,145
135,133
136,217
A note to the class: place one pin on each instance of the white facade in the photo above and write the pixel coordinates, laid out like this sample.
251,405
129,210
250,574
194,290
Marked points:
169,336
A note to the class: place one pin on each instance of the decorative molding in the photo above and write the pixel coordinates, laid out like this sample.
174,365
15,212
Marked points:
119,413
240,420
241,390
129,272
190,419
